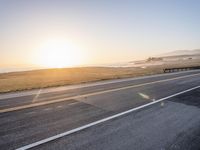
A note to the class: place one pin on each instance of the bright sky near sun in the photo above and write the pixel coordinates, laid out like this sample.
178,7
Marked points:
87,32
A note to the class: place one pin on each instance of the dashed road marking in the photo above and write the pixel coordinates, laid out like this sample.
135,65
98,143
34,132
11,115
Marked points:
47,109
91,94
103,120
30,113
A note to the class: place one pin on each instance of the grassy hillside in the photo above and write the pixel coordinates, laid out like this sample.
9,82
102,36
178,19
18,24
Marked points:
17,81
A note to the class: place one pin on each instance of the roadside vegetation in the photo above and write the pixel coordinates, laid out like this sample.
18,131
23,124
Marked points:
17,81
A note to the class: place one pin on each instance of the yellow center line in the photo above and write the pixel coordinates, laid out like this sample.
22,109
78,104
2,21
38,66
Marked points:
90,94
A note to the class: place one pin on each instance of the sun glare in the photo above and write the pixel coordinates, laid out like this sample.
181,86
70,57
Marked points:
59,54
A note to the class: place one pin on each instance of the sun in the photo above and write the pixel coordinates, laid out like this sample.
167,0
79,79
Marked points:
59,54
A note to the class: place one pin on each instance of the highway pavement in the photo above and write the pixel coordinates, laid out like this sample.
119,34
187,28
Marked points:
29,117
171,125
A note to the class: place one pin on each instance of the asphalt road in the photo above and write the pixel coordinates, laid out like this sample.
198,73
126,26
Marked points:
172,124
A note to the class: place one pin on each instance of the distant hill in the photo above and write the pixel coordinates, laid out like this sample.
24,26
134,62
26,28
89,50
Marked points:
181,52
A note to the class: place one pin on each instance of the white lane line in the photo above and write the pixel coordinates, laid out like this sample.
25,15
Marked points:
47,109
36,96
73,103
60,106
101,121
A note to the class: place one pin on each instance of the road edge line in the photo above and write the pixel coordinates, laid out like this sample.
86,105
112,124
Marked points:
89,94
101,121
83,85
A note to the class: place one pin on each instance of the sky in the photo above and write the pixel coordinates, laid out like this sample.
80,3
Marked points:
100,32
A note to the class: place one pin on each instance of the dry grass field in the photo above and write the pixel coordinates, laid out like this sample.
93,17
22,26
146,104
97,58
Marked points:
17,81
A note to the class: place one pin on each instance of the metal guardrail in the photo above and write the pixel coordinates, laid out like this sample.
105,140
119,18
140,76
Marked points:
168,70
